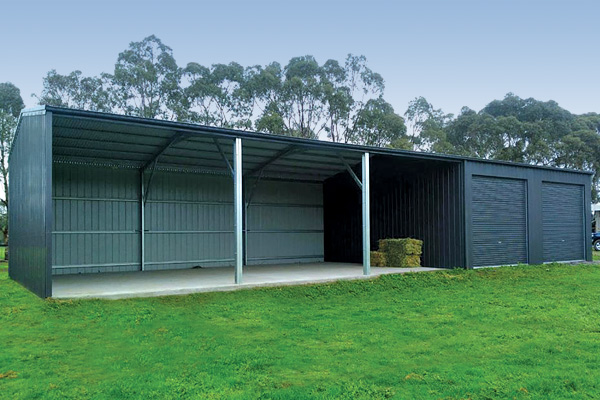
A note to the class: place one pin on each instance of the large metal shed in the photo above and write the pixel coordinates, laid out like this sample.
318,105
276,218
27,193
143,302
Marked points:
95,193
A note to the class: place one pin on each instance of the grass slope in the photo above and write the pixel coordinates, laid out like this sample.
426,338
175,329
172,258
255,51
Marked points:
527,332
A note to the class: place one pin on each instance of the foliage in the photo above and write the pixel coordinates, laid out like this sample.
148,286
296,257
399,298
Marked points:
378,125
11,105
515,129
76,91
526,332
217,95
146,81
342,101
303,99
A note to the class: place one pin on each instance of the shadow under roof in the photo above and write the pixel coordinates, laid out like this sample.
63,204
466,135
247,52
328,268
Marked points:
87,137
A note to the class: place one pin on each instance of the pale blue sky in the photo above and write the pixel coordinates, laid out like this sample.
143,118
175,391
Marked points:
454,53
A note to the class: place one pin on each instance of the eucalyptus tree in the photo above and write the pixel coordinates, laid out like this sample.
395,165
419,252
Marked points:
426,123
11,105
377,124
218,96
146,81
347,90
76,91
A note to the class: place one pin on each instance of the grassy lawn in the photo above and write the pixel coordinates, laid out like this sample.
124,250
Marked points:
596,255
527,332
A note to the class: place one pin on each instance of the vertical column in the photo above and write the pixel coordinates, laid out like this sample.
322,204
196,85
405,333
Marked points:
366,215
142,222
238,209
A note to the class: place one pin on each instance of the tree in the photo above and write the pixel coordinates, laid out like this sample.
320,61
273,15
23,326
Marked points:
11,105
75,91
380,126
218,96
347,90
426,123
146,81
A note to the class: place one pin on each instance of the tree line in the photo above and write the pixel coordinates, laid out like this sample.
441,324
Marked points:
338,101
342,101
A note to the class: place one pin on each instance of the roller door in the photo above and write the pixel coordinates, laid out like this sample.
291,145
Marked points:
499,221
563,222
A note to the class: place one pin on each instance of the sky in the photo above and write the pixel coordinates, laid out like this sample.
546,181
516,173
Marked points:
454,53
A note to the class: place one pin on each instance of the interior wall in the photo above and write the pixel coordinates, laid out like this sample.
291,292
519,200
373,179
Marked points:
418,199
188,221
96,219
285,222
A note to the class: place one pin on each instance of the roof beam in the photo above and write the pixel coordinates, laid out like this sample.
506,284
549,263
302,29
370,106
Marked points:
176,138
231,171
351,172
282,153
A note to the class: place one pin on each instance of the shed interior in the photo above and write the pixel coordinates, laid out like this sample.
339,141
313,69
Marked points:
186,189
301,202
410,197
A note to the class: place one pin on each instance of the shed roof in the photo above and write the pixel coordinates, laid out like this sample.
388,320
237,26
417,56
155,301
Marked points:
96,138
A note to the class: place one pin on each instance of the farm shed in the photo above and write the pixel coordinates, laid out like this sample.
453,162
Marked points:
94,193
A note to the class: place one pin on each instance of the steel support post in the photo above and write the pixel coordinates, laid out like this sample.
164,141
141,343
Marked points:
366,215
239,208
142,222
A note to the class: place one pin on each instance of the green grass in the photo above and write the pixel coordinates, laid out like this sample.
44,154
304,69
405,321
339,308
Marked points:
596,255
527,332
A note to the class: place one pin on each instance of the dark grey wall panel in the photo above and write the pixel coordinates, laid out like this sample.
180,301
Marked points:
563,222
499,221
96,213
408,199
30,202
285,222
535,213
189,221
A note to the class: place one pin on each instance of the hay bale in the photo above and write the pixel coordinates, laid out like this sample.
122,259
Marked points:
410,262
402,253
404,262
378,259
406,246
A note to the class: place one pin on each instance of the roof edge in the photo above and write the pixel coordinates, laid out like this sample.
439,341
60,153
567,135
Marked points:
197,128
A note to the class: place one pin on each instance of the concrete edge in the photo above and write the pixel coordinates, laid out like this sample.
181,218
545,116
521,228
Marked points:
231,287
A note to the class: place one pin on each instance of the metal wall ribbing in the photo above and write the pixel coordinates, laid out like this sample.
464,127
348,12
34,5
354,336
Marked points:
30,202
408,199
96,213
285,222
188,221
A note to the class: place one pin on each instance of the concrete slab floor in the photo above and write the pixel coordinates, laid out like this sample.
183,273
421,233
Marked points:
118,285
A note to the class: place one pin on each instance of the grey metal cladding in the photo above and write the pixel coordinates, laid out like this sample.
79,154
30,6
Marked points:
563,221
189,221
499,221
96,218
285,222
30,216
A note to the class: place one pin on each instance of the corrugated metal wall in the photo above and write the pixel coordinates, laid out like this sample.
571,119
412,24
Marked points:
285,222
188,221
415,199
97,219
30,216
